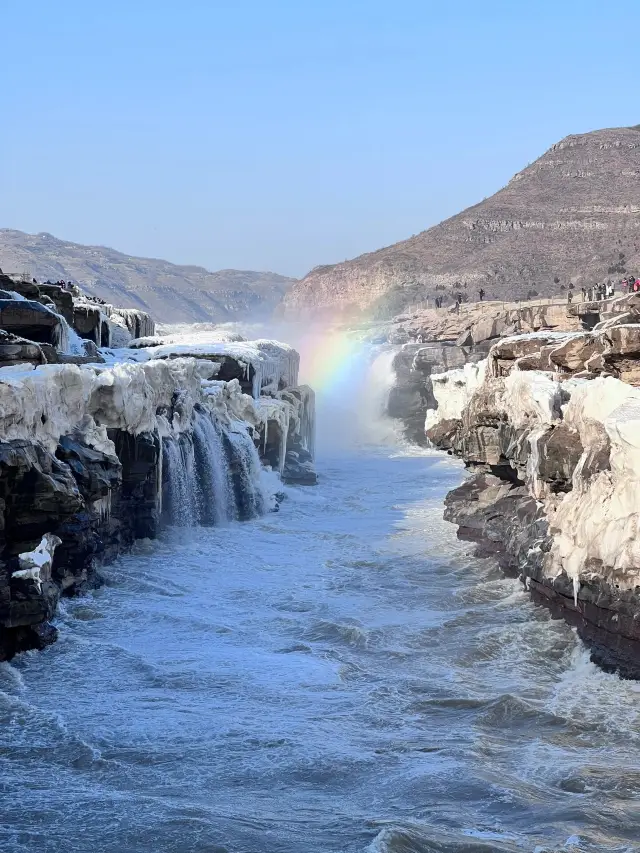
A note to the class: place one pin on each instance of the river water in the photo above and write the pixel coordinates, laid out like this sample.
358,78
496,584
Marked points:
339,676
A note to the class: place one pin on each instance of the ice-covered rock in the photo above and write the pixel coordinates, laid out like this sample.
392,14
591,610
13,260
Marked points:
565,473
36,565
453,391
100,447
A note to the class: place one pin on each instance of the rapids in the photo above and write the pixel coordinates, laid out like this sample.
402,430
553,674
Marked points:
338,676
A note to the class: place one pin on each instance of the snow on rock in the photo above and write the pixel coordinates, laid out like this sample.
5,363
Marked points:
44,403
268,365
227,400
36,565
598,522
453,391
119,334
532,398
53,400
138,324
595,524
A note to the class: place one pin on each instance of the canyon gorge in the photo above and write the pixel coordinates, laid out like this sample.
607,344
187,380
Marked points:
341,674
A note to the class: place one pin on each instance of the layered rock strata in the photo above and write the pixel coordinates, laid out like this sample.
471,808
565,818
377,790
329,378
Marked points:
559,338
571,217
554,456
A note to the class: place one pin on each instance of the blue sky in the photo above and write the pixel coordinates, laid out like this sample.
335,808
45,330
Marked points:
281,135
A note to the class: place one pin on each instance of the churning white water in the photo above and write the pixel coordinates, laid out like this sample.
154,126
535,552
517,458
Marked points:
337,677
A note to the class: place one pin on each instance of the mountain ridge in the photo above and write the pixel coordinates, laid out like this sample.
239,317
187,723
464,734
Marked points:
572,217
170,292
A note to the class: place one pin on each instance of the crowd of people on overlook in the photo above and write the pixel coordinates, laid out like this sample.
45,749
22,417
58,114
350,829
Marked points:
68,285
606,290
594,293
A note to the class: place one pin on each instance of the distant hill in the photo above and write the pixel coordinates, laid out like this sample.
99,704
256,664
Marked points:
572,216
171,293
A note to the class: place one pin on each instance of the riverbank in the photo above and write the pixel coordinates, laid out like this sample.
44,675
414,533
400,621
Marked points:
547,424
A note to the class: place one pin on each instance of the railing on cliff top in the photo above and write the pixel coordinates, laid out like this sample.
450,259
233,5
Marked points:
539,302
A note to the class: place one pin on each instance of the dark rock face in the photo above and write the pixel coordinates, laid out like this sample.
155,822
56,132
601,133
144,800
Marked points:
412,393
62,299
92,504
299,469
559,451
37,495
501,518
444,434
134,507
87,321
29,319
23,288
17,350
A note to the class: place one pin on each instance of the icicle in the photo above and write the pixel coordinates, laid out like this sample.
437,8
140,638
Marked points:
159,477
67,339
576,590
103,507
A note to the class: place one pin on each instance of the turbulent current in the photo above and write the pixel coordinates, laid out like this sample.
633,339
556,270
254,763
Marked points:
339,676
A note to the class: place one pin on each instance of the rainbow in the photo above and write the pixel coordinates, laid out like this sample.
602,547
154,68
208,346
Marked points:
328,358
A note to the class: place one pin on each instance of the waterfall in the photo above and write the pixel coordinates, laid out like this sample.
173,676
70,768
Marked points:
245,467
67,339
211,475
215,485
180,503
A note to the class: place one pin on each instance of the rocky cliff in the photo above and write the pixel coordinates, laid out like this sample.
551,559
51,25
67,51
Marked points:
432,341
548,426
170,292
573,216
104,439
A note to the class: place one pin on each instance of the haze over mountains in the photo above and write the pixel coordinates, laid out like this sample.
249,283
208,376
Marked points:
572,216
169,292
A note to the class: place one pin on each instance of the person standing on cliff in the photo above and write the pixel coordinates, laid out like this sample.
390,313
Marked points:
570,297
481,294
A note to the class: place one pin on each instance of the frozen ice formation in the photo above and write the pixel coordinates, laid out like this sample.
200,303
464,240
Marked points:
101,443
556,484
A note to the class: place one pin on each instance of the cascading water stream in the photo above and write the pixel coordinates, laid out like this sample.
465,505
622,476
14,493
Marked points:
245,467
211,475
215,492
179,479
